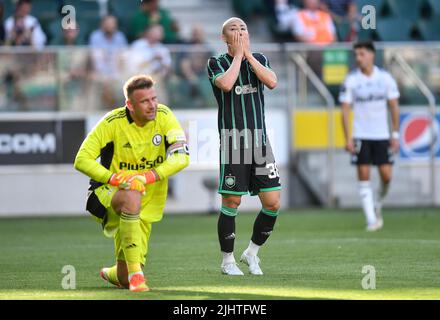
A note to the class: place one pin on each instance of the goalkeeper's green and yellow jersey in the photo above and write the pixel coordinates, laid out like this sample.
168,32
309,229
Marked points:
116,143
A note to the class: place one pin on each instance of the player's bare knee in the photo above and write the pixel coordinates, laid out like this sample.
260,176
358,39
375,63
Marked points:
273,205
231,201
130,202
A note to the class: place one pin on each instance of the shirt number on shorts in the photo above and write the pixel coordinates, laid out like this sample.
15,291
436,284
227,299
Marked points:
273,170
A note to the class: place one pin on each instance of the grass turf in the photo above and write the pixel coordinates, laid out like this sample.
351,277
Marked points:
313,254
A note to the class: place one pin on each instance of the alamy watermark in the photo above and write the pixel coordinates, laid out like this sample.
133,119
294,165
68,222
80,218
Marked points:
368,20
68,281
369,280
69,17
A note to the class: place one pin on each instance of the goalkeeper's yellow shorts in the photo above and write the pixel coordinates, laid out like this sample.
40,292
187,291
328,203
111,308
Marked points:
99,205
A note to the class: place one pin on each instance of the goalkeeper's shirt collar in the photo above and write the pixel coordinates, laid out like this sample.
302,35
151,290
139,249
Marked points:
129,118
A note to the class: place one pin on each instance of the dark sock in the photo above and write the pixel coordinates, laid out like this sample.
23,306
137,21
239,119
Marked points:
226,232
263,226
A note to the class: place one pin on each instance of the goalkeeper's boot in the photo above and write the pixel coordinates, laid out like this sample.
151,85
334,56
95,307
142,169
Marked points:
253,262
231,269
104,274
137,283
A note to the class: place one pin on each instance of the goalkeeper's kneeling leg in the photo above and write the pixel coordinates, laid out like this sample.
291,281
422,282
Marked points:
127,203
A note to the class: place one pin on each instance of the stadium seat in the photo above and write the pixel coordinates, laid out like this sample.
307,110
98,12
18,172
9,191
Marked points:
124,25
87,26
123,8
430,29
8,8
365,34
246,8
410,10
343,30
45,9
393,29
434,6
85,8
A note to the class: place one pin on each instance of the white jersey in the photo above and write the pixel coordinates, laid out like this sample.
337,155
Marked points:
369,96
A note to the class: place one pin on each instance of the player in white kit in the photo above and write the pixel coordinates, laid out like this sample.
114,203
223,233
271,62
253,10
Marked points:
370,90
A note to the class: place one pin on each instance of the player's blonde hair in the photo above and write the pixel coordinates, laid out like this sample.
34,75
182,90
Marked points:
140,81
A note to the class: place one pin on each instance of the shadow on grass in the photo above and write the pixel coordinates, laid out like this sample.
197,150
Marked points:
113,293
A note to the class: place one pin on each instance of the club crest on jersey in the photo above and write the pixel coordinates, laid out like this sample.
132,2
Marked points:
230,181
246,89
157,139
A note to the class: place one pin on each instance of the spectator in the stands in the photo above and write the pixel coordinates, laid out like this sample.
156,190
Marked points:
22,29
343,11
108,44
340,10
283,12
149,55
192,69
310,24
68,37
108,36
150,13
2,27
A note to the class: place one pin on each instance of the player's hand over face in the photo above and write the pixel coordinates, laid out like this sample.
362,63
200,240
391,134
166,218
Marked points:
350,146
246,45
394,143
237,45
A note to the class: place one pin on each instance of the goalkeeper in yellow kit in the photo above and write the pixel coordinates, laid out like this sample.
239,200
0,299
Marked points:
139,146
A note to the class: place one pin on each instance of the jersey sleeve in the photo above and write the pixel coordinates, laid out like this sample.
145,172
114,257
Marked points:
215,69
392,88
176,145
85,161
262,59
346,91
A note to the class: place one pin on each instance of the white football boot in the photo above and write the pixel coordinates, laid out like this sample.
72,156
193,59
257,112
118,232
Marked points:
375,226
231,269
253,262
378,212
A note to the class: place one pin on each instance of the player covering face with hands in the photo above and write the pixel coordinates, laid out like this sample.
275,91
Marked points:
238,78
139,146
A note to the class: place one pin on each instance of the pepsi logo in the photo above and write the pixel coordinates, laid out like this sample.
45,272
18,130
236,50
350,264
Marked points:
416,136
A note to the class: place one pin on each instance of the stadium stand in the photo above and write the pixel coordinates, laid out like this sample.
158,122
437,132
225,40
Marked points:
393,29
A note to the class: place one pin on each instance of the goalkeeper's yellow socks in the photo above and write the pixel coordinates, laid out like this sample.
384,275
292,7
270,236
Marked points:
130,232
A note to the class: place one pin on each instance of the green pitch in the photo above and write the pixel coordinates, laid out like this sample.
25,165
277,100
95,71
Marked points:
316,254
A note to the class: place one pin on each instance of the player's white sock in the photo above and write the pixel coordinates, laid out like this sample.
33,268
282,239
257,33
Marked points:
366,193
252,249
228,257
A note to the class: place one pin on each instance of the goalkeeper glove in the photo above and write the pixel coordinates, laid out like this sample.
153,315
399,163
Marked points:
137,184
126,181
120,180
150,176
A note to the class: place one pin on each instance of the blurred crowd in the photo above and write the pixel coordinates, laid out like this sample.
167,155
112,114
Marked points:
310,21
116,54
134,36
